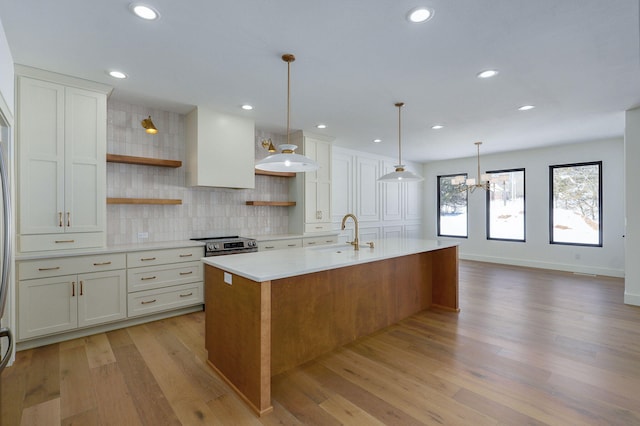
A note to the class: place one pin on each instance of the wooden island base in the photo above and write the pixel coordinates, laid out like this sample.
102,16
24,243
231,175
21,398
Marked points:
255,330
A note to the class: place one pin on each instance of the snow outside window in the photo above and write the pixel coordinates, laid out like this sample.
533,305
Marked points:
452,208
506,206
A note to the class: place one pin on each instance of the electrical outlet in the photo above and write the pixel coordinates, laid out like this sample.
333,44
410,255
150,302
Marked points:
143,235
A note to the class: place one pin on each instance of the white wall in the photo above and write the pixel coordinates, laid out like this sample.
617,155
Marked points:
536,251
632,206
6,72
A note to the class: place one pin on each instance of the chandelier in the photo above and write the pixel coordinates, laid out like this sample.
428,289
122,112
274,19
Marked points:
470,183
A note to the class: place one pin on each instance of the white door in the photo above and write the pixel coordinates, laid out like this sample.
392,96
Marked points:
47,305
102,297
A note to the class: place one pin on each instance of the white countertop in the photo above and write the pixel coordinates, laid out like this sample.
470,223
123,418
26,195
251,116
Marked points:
275,264
276,237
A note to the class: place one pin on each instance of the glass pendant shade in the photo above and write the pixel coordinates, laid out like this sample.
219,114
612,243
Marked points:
287,160
400,174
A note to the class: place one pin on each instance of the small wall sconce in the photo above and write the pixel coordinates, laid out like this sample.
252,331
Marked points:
268,145
148,126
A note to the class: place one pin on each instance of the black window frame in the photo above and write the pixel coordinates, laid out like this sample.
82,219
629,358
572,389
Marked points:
439,234
600,202
488,204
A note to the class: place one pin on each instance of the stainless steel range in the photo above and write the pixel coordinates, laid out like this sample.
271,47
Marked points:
218,246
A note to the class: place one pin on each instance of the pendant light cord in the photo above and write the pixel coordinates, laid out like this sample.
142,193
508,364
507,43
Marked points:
399,105
288,58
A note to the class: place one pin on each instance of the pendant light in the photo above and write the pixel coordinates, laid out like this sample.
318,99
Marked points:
400,175
287,160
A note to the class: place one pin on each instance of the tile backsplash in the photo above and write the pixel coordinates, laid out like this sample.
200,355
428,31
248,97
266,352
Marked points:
204,212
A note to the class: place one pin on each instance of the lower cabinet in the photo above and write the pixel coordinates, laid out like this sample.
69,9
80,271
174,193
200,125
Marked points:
58,295
62,303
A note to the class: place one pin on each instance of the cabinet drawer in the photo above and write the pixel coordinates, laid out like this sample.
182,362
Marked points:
151,277
147,302
40,268
317,227
318,241
279,244
159,257
62,241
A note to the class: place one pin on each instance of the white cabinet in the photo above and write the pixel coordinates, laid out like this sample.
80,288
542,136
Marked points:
61,144
51,300
312,190
368,189
220,150
320,241
279,244
162,280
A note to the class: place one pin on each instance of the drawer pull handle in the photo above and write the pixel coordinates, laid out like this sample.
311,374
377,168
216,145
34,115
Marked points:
328,241
54,268
291,245
186,273
186,295
144,259
311,243
148,278
318,227
147,302
269,247
101,263
65,241
186,255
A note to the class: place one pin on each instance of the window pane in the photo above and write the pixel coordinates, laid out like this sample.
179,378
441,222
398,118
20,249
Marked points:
505,205
576,208
452,208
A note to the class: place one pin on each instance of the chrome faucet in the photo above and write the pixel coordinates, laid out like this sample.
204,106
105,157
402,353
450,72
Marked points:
355,220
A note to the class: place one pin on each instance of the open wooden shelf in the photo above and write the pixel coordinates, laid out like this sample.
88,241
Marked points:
282,174
162,201
142,161
271,203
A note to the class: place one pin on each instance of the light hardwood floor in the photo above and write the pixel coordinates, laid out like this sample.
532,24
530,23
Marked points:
529,347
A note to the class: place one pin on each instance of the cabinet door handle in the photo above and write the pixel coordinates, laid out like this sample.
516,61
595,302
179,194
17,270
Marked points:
60,219
81,288
144,259
68,219
147,302
186,255
148,278
65,241
53,268
73,289
186,295
101,263
186,273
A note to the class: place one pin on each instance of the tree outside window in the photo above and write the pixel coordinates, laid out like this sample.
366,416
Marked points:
452,208
575,205
506,205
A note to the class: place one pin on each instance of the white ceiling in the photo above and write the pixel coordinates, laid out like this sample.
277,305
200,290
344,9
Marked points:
577,61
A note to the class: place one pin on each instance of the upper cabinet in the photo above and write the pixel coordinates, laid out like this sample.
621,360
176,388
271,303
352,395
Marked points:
312,190
61,136
220,150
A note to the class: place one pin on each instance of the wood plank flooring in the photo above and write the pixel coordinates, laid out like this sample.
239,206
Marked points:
529,347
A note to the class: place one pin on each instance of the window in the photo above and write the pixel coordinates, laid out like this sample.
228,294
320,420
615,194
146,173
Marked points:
575,204
452,208
505,205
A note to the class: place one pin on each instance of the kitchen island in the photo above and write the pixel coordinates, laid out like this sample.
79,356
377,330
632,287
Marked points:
268,312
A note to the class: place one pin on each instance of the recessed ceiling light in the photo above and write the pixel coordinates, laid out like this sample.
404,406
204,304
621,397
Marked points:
247,107
437,126
487,74
419,14
377,140
526,107
321,126
117,74
144,11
